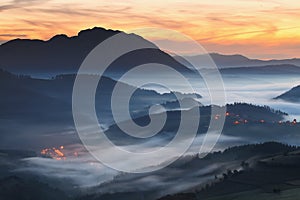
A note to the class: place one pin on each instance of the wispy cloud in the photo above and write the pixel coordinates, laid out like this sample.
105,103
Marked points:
13,35
222,23
268,31
19,3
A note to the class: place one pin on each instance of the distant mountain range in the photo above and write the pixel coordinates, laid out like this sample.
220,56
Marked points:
293,95
233,61
267,69
63,54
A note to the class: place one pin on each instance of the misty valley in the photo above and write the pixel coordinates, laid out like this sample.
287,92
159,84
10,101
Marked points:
42,156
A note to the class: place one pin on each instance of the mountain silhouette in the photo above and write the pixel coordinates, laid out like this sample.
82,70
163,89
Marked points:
63,54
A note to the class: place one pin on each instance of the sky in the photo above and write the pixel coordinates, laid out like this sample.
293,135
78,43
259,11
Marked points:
267,29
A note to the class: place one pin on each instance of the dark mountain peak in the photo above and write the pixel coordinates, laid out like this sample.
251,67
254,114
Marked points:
59,37
89,34
95,31
63,54
98,34
95,34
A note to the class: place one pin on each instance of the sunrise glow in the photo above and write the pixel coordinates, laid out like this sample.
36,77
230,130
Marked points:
258,29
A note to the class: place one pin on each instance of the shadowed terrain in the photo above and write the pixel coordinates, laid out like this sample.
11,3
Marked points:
293,95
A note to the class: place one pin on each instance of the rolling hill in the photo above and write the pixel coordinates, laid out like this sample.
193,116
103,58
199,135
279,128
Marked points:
272,175
31,108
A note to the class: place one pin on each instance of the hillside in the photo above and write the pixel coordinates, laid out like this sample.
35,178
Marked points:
243,121
293,95
32,108
196,172
260,168
270,176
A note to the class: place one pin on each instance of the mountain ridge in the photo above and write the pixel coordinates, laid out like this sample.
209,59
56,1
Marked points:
63,54
238,60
